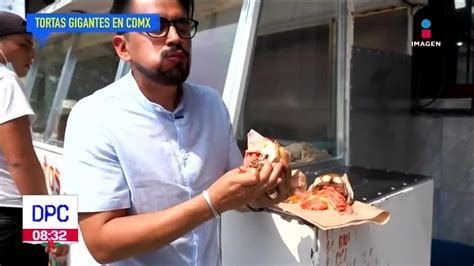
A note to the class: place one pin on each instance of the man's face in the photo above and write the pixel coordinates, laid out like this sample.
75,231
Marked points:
19,51
165,60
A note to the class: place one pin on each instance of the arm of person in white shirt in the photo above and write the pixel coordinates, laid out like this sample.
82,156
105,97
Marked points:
23,165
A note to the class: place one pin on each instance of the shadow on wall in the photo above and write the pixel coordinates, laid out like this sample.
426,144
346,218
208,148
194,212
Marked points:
450,253
241,247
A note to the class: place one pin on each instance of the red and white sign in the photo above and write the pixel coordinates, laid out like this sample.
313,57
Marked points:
49,220
51,162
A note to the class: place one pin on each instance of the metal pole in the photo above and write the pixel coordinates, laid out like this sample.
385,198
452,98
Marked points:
347,41
122,70
240,60
468,55
62,88
31,77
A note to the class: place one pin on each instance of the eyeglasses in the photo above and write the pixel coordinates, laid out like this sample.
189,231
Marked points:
185,27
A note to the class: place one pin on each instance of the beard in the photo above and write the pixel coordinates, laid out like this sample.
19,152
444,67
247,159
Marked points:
172,77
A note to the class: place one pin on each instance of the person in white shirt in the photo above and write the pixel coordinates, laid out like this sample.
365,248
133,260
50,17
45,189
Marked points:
20,170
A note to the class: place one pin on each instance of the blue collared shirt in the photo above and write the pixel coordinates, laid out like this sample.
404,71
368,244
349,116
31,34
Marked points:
122,151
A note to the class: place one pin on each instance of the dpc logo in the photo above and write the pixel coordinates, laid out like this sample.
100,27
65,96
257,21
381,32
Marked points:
50,220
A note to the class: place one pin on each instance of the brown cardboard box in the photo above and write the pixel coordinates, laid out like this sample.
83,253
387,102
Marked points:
331,219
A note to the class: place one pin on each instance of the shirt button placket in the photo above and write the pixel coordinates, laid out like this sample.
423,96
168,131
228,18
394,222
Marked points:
183,161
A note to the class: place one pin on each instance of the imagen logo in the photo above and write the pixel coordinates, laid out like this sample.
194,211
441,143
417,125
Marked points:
426,31
426,36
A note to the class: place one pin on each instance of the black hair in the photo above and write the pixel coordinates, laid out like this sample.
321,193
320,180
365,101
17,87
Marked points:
123,6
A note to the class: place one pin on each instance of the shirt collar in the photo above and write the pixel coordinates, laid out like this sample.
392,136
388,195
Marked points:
4,67
151,106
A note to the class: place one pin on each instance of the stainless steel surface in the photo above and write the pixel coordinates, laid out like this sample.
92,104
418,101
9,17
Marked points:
381,124
281,16
370,5
266,239
385,135
369,185
280,240
385,31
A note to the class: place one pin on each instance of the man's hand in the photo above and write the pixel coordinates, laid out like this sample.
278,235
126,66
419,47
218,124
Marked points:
239,187
280,180
59,253
234,189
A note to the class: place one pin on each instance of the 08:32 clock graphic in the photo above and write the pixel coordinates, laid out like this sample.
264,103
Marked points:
50,220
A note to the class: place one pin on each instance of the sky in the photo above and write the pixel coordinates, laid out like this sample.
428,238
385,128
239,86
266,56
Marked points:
14,6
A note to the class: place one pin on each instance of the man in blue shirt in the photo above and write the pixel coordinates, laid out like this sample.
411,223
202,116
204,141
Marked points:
152,159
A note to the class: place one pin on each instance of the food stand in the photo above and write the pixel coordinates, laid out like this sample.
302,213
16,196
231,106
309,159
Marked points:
284,69
291,109
278,238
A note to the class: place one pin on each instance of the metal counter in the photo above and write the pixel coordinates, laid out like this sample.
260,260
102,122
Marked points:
368,184
278,238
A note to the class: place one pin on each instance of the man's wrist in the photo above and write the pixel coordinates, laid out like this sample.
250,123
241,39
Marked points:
254,209
215,213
